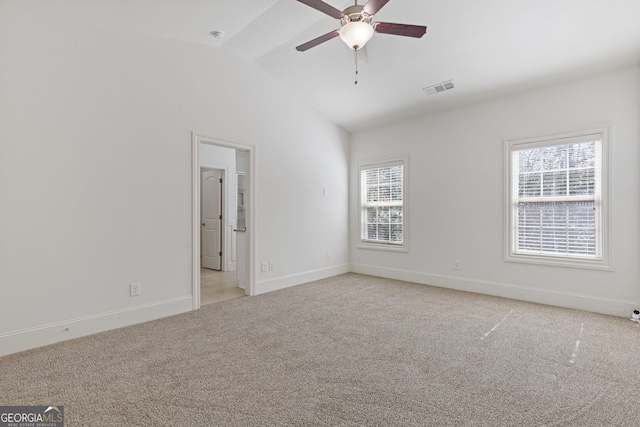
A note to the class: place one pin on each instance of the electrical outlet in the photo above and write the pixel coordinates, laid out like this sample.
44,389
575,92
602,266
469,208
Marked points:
134,289
329,253
325,192
456,264
263,267
272,265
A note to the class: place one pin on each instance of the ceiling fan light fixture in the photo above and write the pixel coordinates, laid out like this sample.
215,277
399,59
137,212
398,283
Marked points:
356,34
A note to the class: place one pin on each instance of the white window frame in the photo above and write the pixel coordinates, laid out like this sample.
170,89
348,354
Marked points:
603,259
381,163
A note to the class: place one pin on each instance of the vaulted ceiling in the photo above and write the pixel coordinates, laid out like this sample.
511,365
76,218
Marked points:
487,48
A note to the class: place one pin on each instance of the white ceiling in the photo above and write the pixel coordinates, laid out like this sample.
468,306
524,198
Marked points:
487,47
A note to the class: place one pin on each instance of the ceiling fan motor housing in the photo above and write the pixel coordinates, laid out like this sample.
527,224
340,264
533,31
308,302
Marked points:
355,13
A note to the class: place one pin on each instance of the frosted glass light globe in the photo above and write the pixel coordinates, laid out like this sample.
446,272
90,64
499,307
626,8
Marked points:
356,34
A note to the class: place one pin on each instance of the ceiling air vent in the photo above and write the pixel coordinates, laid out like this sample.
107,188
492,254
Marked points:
440,87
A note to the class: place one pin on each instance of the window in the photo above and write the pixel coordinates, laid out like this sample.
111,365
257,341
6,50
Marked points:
557,192
383,204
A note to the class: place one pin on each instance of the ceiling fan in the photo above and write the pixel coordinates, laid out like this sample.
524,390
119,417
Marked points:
356,26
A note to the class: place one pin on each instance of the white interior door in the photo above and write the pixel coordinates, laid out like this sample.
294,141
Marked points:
211,236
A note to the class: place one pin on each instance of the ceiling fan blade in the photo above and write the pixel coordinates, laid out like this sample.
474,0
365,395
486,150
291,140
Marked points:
416,31
362,56
318,40
373,6
324,8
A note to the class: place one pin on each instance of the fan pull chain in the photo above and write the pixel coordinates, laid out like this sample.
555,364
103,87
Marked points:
355,55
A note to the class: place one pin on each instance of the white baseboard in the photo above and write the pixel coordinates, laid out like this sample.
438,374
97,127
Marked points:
594,304
300,278
26,339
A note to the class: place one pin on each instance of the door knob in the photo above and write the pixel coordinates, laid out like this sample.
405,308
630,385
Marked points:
203,224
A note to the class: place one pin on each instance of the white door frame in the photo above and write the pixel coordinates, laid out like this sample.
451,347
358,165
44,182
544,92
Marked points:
196,140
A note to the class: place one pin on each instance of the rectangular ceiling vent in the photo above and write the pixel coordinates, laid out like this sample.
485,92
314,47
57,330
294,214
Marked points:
440,87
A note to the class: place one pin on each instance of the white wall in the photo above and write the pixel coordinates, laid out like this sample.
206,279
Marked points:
95,174
456,194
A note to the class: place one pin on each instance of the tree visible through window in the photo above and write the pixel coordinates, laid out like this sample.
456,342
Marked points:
382,203
556,196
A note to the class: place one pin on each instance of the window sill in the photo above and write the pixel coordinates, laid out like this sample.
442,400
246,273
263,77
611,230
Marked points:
383,247
595,264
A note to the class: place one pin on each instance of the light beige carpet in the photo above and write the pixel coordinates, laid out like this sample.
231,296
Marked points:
346,351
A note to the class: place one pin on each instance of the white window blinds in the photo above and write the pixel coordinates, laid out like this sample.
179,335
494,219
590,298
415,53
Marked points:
556,198
382,203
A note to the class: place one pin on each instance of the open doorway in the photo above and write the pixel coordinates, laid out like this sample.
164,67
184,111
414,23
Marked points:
218,226
223,218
